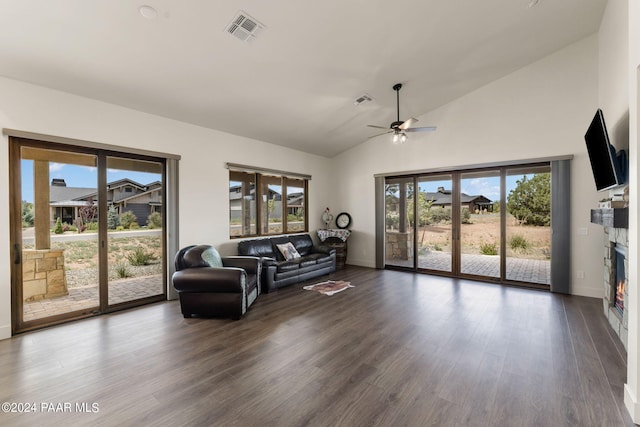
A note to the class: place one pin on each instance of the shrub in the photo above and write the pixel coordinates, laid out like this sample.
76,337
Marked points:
134,226
58,227
122,271
518,242
140,257
440,214
92,226
466,216
489,249
127,218
119,228
154,220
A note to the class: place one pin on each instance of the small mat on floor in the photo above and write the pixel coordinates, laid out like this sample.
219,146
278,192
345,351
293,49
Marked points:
329,287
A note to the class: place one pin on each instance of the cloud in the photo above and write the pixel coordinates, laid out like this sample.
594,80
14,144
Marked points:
56,167
488,187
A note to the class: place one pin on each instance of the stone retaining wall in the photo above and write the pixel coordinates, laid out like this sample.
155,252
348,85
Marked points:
43,274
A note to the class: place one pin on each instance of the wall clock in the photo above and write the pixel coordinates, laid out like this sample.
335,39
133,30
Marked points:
343,220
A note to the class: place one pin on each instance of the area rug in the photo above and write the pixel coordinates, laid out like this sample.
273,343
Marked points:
329,287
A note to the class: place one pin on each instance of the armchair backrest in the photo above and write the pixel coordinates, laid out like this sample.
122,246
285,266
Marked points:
197,256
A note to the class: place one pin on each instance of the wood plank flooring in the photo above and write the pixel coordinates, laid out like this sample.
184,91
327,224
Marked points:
399,349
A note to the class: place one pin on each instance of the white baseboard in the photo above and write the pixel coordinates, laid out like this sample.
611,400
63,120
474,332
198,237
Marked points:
631,403
5,332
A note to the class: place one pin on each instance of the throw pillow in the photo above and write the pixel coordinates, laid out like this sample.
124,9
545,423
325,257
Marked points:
288,251
212,257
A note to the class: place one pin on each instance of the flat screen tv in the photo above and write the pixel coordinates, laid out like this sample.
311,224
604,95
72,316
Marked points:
605,164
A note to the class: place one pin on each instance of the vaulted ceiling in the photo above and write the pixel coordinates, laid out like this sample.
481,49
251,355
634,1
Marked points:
295,83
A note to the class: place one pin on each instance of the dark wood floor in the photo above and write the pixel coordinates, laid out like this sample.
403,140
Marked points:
398,349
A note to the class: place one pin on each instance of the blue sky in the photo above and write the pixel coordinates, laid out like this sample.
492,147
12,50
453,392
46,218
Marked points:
79,176
488,187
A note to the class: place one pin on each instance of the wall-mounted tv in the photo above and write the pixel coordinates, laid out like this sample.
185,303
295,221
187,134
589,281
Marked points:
606,165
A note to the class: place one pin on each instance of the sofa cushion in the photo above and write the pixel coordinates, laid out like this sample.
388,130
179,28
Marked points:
303,243
306,262
319,257
256,247
288,265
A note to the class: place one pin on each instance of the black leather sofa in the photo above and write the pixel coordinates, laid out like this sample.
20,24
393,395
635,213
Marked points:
277,272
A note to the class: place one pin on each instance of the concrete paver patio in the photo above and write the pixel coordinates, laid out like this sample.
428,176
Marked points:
84,297
518,269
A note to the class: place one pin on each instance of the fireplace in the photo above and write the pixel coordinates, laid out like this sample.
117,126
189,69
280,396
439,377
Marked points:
616,272
620,275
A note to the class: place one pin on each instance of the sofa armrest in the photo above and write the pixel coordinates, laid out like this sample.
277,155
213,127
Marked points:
324,249
268,261
250,264
210,279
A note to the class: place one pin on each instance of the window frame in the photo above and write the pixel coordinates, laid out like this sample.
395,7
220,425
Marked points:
262,179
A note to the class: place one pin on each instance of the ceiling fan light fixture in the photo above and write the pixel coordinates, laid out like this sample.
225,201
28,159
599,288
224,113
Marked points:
399,137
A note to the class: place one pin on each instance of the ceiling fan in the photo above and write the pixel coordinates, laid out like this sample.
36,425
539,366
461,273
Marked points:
399,128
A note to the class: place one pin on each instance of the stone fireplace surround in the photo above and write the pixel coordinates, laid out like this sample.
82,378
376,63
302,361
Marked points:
615,237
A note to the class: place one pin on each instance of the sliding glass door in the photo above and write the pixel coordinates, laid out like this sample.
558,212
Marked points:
528,224
479,224
399,222
134,229
86,232
491,224
435,238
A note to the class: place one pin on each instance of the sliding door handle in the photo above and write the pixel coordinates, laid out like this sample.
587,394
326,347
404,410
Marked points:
17,259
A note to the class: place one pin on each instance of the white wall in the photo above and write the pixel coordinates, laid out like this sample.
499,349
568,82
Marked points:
625,14
204,182
541,110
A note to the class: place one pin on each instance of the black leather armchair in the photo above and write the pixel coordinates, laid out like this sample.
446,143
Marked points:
214,286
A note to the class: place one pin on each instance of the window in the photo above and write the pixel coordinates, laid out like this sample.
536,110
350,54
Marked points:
263,202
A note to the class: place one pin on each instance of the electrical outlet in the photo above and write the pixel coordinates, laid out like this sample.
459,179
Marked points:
583,231
580,274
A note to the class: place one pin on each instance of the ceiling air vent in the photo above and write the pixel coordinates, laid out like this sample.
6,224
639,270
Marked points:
364,98
245,27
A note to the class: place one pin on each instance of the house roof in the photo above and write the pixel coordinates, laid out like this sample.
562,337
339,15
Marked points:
444,198
65,196
307,67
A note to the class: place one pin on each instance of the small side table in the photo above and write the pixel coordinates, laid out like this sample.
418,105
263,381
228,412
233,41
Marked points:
337,239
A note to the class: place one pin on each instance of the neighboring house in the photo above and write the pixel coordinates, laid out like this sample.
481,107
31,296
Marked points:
235,201
124,195
442,198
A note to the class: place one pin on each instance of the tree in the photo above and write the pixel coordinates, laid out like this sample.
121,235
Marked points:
58,227
530,201
113,219
87,216
27,214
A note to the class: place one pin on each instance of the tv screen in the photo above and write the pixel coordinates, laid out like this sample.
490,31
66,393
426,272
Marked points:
604,163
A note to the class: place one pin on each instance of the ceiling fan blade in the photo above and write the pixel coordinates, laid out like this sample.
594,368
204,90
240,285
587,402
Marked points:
422,129
377,127
383,133
407,123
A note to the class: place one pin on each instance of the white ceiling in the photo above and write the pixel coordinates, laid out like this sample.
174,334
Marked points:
295,84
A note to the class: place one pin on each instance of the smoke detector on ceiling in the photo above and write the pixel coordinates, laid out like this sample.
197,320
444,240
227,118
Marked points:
245,27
